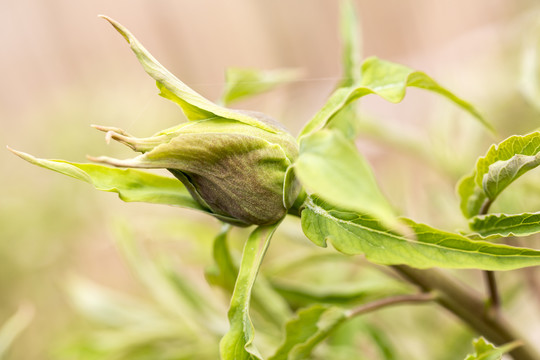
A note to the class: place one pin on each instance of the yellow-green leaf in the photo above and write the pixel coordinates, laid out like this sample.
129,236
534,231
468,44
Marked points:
195,106
308,329
486,351
237,344
504,225
389,81
331,167
494,172
424,247
242,83
129,184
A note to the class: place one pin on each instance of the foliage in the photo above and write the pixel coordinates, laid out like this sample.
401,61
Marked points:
321,178
486,351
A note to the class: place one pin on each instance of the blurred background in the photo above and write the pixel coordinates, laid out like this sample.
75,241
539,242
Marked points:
64,69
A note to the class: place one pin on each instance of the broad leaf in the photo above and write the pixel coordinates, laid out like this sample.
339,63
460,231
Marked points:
353,233
242,83
237,344
195,106
486,351
502,164
503,173
346,181
131,185
504,225
389,81
307,330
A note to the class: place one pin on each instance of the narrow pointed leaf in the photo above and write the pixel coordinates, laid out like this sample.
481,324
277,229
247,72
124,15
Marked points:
242,83
237,344
494,172
486,351
330,166
11,329
194,105
224,271
346,120
265,300
351,44
307,330
129,184
301,295
389,81
504,225
354,233
162,287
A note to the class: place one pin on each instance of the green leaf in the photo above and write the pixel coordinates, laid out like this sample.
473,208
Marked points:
242,83
351,43
224,271
503,173
353,233
131,185
389,81
486,351
308,329
12,328
502,165
300,295
237,344
472,197
183,300
504,225
348,181
346,120
265,300
194,106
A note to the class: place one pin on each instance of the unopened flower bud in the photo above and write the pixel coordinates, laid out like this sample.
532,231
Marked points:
236,164
239,172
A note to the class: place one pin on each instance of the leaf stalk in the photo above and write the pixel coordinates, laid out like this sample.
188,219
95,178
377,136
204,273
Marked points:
392,300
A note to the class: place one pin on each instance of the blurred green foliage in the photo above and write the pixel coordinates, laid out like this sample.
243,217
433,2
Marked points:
148,297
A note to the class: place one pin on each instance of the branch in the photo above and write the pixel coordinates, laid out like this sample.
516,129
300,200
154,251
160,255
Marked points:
469,306
389,301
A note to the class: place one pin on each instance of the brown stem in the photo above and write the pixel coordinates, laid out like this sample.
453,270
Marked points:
469,306
494,302
393,300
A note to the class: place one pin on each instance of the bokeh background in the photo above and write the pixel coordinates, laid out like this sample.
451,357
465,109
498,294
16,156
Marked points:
64,69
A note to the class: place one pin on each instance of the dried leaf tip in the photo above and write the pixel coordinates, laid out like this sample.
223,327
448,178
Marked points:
123,31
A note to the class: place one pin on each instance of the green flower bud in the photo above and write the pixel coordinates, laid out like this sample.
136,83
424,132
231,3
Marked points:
236,164
239,172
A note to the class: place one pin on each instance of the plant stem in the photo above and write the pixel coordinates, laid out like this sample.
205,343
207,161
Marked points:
494,302
393,300
469,306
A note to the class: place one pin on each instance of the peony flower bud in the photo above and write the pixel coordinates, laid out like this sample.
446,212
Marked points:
240,172
236,164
